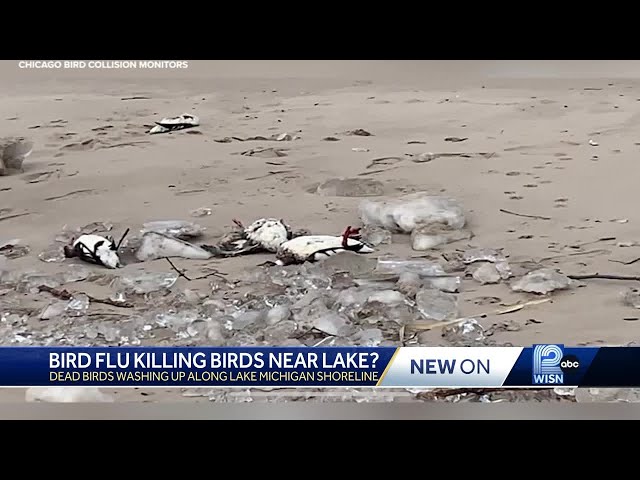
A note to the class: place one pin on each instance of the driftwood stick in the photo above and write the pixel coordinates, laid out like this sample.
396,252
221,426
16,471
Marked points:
538,217
604,277
630,262
189,279
67,295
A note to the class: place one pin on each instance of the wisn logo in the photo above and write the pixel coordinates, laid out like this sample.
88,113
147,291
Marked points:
550,364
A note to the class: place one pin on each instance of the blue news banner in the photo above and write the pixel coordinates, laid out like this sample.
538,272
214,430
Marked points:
386,367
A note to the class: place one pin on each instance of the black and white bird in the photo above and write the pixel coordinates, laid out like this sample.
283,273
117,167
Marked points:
172,124
96,249
312,248
263,235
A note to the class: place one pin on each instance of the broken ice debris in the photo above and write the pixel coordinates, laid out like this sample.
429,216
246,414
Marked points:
409,283
403,214
487,273
55,253
375,235
201,212
388,297
489,255
432,273
174,228
426,237
436,305
53,310
171,124
142,283
482,255
13,151
350,187
78,304
607,395
542,281
66,395
468,331
277,314
371,337
631,298
158,245
12,249
332,324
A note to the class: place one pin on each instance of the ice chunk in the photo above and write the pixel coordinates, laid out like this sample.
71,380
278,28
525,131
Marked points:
79,304
426,237
432,273
244,319
542,281
352,263
331,323
607,395
141,283
55,253
13,249
278,333
13,151
75,273
215,333
487,273
421,267
436,305
504,269
371,337
405,213
201,212
277,314
482,255
67,395
375,235
466,333
631,298
158,245
174,228
388,297
54,310
409,283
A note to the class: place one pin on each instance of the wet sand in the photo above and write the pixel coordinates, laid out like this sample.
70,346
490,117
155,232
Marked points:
535,118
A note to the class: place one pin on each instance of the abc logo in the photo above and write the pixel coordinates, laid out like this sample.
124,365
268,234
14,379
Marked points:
569,363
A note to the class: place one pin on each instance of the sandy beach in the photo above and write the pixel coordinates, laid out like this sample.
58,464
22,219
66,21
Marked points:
553,140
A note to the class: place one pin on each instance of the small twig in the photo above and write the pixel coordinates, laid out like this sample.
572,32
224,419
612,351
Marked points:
381,161
270,173
588,252
524,215
67,295
444,323
604,277
630,262
373,172
603,239
75,192
15,215
188,279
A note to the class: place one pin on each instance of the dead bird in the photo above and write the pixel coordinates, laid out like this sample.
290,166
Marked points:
312,248
261,236
172,124
96,249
